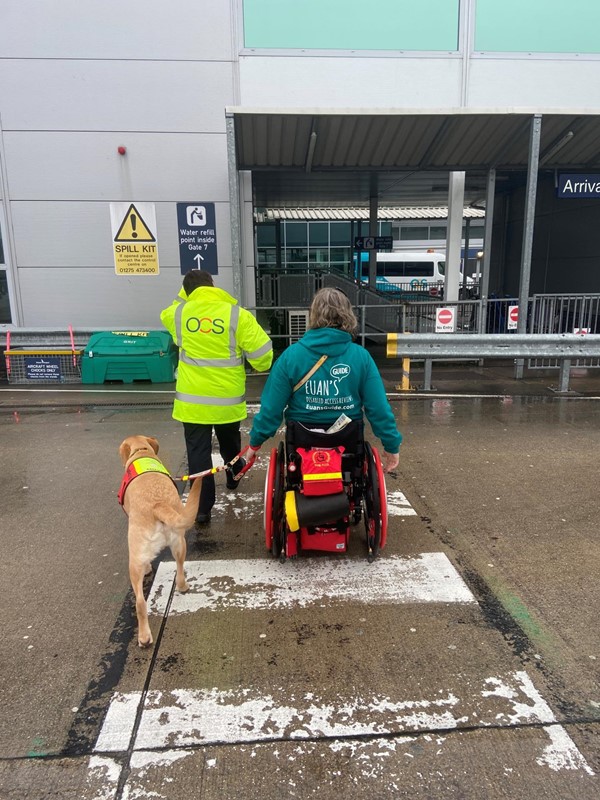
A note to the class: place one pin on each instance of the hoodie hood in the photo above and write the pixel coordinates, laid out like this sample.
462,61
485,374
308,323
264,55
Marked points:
326,341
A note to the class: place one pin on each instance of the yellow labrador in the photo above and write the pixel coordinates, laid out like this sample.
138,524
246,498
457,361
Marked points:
157,518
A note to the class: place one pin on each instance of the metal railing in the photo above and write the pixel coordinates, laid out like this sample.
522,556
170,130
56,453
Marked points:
565,313
564,348
476,320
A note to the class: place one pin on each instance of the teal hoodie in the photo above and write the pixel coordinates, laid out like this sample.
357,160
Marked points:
348,382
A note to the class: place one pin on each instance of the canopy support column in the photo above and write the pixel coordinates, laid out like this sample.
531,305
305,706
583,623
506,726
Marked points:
234,212
373,209
528,225
484,285
456,202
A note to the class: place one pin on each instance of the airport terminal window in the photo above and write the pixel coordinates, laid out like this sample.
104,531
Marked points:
266,241
339,234
266,235
537,26
318,234
475,230
318,256
383,229
339,255
296,234
311,245
296,255
426,25
267,255
410,233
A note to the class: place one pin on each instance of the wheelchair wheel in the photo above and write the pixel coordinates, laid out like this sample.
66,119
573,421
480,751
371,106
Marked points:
274,516
375,502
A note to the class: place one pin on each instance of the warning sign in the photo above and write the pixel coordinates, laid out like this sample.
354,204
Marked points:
444,320
512,319
134,238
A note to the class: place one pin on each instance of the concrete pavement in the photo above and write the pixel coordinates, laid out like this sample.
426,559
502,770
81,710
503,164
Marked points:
463,663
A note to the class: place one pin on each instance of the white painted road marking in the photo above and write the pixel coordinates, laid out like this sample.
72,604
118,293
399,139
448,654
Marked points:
398,505
265,583
184,717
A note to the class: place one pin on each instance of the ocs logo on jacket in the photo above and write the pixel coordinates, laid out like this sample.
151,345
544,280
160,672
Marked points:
214,336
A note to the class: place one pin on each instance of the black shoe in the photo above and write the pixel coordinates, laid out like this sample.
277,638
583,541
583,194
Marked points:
231,482
203,519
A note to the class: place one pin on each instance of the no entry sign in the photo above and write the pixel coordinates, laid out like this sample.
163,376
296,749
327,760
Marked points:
444,320
513,318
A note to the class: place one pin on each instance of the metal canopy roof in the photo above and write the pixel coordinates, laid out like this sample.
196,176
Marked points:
351,213
299,155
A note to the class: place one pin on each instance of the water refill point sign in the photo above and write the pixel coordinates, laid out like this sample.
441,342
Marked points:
512,318
444,320
197,229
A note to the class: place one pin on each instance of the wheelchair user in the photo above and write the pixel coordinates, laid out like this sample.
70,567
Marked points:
325,380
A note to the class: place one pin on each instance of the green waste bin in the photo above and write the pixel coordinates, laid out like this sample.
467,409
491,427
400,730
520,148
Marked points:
129,356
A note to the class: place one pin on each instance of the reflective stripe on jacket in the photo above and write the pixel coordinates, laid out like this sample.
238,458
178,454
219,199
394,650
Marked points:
214,335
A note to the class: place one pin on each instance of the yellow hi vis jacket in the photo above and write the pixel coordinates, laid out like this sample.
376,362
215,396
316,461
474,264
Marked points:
214,335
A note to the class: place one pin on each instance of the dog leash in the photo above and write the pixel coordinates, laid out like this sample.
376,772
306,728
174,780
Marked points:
214,470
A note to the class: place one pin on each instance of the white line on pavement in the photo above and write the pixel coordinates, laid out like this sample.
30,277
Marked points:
266,583
184,717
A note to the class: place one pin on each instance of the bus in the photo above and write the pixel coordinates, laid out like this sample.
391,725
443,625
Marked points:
405,272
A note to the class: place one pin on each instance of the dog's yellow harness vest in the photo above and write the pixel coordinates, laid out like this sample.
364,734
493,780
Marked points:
137,468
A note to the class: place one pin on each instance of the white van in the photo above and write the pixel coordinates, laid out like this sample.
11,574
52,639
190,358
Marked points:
405,272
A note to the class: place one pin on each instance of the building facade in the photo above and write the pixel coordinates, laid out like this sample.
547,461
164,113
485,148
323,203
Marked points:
105,102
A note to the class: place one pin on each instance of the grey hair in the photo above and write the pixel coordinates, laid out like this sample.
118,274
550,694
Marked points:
331,308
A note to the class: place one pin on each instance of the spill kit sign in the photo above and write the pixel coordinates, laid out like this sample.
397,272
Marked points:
134,238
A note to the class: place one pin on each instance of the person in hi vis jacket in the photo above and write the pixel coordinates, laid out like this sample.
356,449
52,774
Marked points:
214,335
344,380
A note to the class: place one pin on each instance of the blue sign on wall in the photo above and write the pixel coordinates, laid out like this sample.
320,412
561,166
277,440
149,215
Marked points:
43,369
579,185
197,237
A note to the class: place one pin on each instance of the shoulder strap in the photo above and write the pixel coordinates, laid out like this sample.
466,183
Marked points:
310,373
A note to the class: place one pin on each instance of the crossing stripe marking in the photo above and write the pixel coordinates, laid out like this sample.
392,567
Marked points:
265,583
182,717
398,505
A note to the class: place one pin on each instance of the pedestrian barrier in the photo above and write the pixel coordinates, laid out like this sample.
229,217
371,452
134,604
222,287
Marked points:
564,348
35,366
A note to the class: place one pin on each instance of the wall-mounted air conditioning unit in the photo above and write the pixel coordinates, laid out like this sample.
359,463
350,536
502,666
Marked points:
297,324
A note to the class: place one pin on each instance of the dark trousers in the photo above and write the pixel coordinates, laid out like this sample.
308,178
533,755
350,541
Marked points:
198,442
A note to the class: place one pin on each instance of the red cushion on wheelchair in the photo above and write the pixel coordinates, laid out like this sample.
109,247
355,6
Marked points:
321,470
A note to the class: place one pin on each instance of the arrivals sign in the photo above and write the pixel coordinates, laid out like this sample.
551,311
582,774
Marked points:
579,185
197,237
134,238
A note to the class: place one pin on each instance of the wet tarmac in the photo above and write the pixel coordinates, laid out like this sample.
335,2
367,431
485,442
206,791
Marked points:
463,663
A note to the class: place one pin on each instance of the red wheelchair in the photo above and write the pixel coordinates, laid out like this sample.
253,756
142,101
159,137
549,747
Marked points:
320,484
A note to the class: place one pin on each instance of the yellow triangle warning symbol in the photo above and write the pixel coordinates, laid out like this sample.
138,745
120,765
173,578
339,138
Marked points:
133,228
